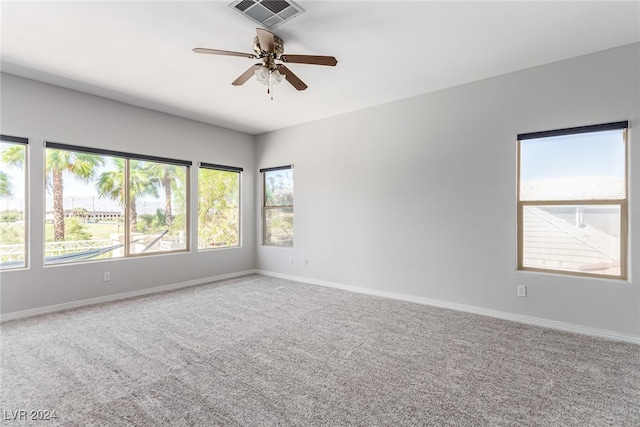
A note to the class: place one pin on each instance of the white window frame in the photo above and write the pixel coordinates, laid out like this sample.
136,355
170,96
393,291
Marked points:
266,208
127,253
21,141
222,168
621,203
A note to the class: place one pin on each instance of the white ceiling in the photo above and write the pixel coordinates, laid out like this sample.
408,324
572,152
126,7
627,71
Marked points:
140,52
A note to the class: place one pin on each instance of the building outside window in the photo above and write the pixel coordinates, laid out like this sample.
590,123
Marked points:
572,201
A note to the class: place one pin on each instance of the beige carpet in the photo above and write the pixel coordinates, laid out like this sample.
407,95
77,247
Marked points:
260,351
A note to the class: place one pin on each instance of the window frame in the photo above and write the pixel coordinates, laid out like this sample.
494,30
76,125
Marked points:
621,203
17,140
266,208
222,168
128,157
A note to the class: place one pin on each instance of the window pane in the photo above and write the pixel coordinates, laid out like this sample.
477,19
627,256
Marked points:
278,188
278,226
218,208
158,207
572,238
84,214
585,166
13,195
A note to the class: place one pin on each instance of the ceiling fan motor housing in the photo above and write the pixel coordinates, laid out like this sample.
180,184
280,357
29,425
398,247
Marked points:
278,46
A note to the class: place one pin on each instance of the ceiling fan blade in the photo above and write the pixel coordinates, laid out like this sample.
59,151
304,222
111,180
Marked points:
309,59
246,75
266,39
223,52
291,78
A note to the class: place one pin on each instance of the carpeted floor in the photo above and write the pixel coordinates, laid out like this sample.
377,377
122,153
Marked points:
261,351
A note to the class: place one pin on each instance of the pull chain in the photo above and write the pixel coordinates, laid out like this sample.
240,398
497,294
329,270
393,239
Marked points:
270,84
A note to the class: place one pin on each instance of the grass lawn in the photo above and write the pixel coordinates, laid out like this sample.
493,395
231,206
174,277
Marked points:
99,230
104,230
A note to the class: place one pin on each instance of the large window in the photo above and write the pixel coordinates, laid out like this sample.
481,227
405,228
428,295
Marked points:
13,195
218,206
277,224
105,204
572,200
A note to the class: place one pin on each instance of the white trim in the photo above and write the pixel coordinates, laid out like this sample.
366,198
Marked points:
115,297
529,320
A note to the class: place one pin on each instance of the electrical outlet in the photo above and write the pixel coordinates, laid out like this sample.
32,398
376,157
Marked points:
522,291
107,276
306,262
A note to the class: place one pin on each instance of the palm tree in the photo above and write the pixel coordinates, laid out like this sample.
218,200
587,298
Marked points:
81,166
12,155
167,176
110,184
5,186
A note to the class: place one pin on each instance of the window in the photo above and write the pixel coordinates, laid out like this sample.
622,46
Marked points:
105,204
277,224
13,192
218,206
572,201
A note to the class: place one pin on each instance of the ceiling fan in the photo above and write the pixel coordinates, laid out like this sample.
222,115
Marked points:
269,48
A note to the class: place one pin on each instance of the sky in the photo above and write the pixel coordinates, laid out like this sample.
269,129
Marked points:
587,154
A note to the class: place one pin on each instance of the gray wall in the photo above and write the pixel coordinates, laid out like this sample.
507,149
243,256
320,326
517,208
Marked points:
44,112
418,197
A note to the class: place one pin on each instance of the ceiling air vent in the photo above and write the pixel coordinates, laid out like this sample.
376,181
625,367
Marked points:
268,13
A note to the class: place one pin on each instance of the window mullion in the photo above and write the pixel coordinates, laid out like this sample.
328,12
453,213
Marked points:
127,208
572,202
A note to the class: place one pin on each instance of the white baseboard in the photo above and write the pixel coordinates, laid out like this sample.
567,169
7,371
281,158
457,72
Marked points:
124,295
535,321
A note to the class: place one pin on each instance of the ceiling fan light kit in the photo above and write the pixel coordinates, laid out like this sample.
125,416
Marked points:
268,77
270,48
